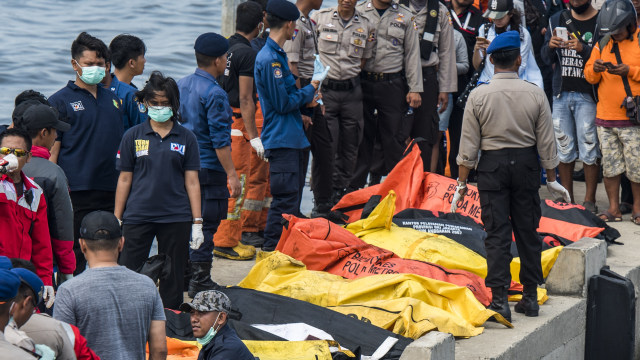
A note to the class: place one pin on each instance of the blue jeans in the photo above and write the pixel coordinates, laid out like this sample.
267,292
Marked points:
574,117
444,117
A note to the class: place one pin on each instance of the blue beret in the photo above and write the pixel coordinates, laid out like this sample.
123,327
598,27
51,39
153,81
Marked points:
5,263
506,41
211,44
31,280
283,9
9,284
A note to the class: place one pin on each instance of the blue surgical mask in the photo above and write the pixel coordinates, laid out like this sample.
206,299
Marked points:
159,113
91,75
210,334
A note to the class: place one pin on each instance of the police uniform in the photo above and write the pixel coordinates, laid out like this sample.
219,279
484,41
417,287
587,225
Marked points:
438,67
282,133
393,70
509,120
205,110
342,45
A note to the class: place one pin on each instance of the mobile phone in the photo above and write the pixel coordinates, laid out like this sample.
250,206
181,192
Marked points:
608,64
562,33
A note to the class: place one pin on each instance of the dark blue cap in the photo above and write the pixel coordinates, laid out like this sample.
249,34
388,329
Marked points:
283,9
211,44
31,280
5,263
508,40
9,285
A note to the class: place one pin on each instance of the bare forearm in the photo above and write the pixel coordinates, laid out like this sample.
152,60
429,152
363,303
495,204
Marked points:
122,193
192,185
55,151
224,155
248,111
463,173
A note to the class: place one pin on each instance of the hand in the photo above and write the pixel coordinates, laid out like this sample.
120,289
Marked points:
558,191
306,121
414,99
317,99
315,84
574,44
543,32
320,76
119,221
443,102
256,144
10,162
481,43
620,69
49,296
234,186
197,236
598,66
556,42
64,277
461,191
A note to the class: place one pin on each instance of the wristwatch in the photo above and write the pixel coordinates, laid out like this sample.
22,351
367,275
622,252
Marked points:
198,220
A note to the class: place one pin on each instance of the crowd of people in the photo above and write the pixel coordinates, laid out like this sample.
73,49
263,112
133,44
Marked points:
207,165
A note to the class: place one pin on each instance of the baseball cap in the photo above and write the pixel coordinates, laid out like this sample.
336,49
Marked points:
100,221
497,9
31,280
9,285
37,116
5,263
206,301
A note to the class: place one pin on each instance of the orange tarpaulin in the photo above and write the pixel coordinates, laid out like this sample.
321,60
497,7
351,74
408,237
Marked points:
324,246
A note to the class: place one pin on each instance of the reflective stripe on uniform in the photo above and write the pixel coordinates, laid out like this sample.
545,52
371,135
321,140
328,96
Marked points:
253,205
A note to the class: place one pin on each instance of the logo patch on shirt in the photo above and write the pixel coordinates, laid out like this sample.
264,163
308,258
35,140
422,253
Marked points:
141,107
295,33
277,73
142,147
395,42
360,30
433,13
177,148
276,64
115,103
77,106
118,155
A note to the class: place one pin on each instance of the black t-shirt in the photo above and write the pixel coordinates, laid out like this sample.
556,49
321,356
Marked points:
572,64
241,59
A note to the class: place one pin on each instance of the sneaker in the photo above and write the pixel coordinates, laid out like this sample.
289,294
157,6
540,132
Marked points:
252,238
238,252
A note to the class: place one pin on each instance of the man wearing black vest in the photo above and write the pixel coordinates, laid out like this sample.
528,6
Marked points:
438,61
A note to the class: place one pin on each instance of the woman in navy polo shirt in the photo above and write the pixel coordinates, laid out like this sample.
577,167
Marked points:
158,193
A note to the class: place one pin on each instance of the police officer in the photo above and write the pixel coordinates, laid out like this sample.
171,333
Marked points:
438,60
345,41
510,121
9,285
391,83
282,133
205,110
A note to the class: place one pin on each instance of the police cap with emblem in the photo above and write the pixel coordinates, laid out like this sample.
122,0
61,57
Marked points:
211,44
9,284
283,9
508,40
5,263
498,9
31,280
207,301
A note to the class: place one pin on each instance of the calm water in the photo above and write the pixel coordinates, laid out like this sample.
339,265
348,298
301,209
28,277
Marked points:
36,38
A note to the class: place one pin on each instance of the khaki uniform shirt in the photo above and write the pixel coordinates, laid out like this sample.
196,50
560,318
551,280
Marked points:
445,55
397,45
303,46
343,47
12,352
43,329
507,113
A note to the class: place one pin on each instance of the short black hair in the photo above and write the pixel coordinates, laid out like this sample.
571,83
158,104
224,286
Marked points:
158,82
204,60
262,3
102,244
23,264
84,42
248,16
506,58
275,21
30,95
19,133
125,47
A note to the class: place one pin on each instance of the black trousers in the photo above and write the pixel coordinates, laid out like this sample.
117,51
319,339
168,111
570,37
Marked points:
508,182
426,119
83,203
388,98
455,131
173,240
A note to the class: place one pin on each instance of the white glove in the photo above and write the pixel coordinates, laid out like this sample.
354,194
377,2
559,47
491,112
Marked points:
49,296
256,144
45,352
461,191
10,162
558,191
197,237
320,72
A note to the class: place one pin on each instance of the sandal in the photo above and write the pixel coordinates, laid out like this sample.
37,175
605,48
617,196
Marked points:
635,218
590,206
609,217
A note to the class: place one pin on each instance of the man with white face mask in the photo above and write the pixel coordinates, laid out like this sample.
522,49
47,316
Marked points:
87,151
209,312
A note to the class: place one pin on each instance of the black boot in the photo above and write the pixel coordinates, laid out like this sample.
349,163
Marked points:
500,302
529,303
201,278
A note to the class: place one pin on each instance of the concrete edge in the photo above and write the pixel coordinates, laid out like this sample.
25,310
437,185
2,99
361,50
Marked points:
575,264
434,345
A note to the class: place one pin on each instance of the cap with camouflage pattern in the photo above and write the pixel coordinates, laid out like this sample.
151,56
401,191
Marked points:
210,300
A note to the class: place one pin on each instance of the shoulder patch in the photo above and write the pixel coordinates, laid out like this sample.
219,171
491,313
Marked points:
276,64
277,73
141,107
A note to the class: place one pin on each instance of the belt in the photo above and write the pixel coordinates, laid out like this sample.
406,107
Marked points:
373,76
341,85
429,70
304,81
237,115
510,151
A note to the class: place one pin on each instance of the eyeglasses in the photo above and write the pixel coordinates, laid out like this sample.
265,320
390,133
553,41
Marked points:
16,152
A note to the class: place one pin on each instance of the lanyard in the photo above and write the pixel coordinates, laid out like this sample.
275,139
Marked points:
457,20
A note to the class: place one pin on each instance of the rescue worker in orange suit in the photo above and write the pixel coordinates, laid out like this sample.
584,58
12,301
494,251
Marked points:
510,121
247,151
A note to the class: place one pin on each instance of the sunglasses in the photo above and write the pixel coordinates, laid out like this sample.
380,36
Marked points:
16,152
